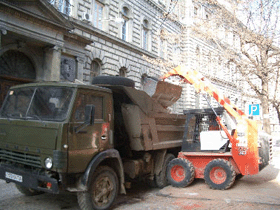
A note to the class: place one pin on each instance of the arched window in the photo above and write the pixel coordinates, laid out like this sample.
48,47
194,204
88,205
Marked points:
126,27
95,69
15,68
17,65
125,12
146,34
123,72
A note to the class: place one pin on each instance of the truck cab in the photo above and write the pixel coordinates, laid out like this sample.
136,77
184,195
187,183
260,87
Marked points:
50,132
57,137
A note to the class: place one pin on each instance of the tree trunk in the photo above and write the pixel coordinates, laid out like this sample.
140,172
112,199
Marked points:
265,108
277,107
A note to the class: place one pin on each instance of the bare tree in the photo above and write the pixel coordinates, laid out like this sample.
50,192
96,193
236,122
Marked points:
253,27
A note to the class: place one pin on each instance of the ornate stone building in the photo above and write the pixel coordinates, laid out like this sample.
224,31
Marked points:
34,42
65,40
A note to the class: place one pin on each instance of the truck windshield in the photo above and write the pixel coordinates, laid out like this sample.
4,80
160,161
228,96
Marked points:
37,103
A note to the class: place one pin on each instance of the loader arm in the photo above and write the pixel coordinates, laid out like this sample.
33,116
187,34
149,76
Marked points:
245,140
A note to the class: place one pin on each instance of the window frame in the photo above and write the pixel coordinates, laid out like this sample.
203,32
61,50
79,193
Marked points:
146,34
87,94
125,29
98,15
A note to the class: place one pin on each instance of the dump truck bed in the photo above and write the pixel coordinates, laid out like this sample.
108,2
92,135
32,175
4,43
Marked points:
148,123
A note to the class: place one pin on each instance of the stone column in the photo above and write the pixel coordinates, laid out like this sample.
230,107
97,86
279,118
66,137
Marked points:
52,64
80,68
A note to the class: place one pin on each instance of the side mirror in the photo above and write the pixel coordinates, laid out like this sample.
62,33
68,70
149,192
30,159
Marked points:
89,114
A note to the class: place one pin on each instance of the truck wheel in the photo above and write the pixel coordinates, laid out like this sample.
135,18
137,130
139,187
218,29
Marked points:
28,191
180,172
113,80
161,178
102,192
219,174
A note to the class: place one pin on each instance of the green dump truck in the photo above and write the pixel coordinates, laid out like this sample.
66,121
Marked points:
88,139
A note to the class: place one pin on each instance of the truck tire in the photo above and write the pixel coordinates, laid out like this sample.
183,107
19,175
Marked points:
113,80
180,172
219,174
28,191
102,190
161,178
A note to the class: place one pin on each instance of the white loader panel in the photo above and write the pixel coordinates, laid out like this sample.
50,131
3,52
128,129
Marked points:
212,140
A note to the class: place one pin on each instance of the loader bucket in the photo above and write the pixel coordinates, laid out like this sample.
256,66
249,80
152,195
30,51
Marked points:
164,93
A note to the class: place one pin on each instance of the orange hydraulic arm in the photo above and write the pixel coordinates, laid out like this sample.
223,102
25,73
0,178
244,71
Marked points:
245,141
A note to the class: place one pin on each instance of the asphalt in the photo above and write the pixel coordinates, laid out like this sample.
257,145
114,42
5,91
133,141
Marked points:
260,191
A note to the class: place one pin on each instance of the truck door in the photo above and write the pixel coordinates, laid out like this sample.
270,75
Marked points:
87,140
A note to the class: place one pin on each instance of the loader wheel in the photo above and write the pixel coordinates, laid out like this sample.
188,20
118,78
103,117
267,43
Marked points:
102,191
28,191
180,172
219,174
239,176
161,178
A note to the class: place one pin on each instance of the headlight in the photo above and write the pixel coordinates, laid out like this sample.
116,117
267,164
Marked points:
48,163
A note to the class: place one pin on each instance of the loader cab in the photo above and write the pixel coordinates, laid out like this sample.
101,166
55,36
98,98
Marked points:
202,132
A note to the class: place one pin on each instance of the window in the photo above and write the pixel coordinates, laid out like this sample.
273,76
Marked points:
123,72
125,29
125,13
145,35
95,69
38,103
64,6
98,15
87,99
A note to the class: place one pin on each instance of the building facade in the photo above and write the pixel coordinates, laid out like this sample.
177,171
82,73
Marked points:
69,40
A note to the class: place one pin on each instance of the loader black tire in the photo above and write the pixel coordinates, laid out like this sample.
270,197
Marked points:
219,174
28,191
113,80
239,176
180,172
161,178
102,191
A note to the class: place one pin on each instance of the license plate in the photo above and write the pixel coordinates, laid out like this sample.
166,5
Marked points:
14,177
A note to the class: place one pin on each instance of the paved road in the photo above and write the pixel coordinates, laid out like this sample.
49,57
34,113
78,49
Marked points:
260,191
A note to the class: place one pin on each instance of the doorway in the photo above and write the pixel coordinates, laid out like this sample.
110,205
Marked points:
15,68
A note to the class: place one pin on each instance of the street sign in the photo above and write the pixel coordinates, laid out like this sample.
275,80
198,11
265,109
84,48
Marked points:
254,109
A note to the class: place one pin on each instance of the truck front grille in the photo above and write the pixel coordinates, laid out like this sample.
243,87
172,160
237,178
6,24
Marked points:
20,158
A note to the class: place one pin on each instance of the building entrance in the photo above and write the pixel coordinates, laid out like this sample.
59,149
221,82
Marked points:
15,68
